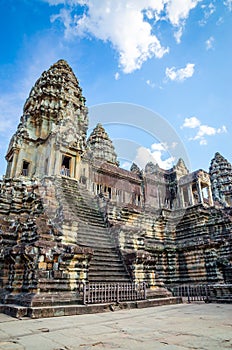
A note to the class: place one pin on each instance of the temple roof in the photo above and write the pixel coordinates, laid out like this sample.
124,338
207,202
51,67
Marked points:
221,177
219,162
101,146
56,88
55,106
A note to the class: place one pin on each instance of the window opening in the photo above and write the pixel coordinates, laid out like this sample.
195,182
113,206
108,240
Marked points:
25,169
66,166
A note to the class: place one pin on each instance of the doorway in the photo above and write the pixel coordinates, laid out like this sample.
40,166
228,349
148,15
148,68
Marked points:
66,165
25,169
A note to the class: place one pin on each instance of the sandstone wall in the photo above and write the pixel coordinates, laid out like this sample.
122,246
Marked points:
38,263
174,247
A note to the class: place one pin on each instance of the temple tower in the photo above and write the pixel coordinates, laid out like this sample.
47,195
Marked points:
52,131
221,178
101,147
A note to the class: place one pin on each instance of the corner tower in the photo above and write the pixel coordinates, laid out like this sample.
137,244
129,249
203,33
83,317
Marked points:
101,146
52,130
221,178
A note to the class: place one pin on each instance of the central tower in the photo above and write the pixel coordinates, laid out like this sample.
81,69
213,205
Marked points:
52,132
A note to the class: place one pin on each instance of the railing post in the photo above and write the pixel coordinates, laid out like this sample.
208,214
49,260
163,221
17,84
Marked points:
206,293
188,293
117,298
144,290
84,293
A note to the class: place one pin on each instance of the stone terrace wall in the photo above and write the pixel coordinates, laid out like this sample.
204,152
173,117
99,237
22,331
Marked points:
145,238
174,247
203,246
37,265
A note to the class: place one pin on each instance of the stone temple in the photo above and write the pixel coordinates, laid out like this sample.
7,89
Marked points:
71,218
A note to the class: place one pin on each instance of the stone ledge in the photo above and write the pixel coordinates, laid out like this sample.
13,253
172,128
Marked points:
220,300
69,310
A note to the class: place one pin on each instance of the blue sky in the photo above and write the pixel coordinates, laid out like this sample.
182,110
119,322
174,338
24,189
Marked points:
172,57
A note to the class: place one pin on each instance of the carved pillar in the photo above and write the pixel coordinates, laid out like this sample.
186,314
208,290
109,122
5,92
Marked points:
182,204
77,167
159,200
210,196
190,194
55,161
14,163
200,197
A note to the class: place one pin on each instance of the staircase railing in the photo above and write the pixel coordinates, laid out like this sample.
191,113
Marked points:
192,292
97,293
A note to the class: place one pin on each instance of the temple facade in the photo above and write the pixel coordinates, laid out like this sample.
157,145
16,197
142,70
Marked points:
69,214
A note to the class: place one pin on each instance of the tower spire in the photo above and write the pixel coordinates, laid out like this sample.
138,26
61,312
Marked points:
54,118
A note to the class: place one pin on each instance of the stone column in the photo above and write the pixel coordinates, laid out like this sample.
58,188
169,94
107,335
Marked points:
190,194
55,162
210,196
77,167
200,197
158,192
14,163
182,204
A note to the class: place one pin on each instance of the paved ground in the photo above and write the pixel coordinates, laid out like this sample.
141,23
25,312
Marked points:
183,326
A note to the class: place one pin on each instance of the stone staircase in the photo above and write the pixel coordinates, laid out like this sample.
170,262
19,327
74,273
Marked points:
106,264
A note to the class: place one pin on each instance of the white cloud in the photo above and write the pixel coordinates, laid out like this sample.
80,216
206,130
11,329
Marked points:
202,130
220,21
178,10
228,4
153,85
208,11
222,130
117,76
150,83
122,24
203,142
126,165
173,145
156,154
209,43
192,123
178,35
159,147
181,74
129,25
205,130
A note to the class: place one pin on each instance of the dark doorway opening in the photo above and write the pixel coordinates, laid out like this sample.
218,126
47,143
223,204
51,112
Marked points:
66,166
25,170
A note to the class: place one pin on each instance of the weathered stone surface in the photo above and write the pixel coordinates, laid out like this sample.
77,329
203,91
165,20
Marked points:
54,118
101,147
70,215
221,178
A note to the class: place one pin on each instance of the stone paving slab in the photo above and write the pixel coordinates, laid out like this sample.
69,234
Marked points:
174,327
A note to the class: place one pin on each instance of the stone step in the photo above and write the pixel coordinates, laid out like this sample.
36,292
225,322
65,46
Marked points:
104,279
82,203
98,259
104,272
103,255
98,244
106,265
93,235
93,245
83,212
101,264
